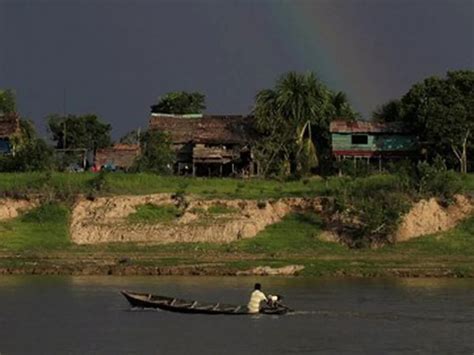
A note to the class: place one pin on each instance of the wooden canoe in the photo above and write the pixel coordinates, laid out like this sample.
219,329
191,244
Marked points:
148,300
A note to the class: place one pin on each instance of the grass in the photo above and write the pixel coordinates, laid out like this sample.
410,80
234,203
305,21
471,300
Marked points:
66,184
296,233
150,213
41,229
138,184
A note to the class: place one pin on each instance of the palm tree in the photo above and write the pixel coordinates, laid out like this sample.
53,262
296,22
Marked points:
287,113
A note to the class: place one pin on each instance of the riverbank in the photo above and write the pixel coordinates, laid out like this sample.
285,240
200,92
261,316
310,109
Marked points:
29,247
39,240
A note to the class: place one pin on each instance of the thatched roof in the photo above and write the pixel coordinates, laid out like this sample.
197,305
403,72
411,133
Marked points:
120,155
9,124
342,126
205,129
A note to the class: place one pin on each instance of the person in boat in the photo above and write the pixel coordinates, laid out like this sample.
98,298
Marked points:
256,298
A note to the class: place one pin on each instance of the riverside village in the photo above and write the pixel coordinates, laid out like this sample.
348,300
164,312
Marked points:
203,177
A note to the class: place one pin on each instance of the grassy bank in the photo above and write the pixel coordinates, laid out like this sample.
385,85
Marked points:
69,184
38,242
137,184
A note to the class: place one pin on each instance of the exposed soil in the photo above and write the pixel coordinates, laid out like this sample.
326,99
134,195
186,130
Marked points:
104,219
429,216
10,208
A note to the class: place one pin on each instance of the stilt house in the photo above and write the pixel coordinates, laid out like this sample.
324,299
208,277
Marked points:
209,145
370,141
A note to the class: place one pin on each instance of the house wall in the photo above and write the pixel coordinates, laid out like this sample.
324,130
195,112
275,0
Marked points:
375,142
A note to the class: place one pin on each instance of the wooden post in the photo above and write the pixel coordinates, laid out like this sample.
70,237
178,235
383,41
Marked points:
233,170
380,163
220,170
194,169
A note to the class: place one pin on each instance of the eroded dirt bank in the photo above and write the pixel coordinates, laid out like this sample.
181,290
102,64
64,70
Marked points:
105,219
10,208
430,216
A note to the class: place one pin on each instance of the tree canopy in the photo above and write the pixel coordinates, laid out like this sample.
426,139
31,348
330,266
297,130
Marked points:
157,155
294,120
180,102
7,101
79,132
388,112
440,111
132,137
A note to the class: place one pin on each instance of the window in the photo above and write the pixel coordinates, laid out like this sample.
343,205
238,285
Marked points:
360,139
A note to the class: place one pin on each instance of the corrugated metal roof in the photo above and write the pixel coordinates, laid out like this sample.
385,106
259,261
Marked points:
341,126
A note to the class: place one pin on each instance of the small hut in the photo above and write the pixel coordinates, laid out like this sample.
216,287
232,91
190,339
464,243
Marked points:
117,157
209,145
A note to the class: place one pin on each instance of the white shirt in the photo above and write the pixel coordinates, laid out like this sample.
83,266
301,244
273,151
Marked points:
256,297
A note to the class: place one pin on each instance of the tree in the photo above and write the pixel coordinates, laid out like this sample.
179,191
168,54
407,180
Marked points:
36,155
157,155
180,102
441,111
79,132
132,137
7,101
291,117
388,112
342,107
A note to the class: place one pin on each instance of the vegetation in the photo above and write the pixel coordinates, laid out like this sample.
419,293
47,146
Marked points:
7,101
180,102
79,132
21,184
294,119
368,210
132,137
439,111
151,213
388,112
44,228
34,155
157,155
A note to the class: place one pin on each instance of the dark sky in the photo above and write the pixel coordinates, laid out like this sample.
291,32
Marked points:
115,57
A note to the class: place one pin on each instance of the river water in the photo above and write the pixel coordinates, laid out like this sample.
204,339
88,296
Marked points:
87,315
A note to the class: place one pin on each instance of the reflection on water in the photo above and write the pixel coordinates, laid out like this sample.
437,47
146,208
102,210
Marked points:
81,315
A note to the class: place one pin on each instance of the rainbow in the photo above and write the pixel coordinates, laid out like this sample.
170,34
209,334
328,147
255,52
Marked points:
324,45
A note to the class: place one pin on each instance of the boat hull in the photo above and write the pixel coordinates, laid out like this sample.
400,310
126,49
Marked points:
146,300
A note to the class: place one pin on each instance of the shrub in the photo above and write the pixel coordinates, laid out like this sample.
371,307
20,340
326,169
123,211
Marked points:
437,181
99,183
47,212
150,213
367,210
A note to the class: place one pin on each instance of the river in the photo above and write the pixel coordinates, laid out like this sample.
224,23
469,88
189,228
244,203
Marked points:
87,315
